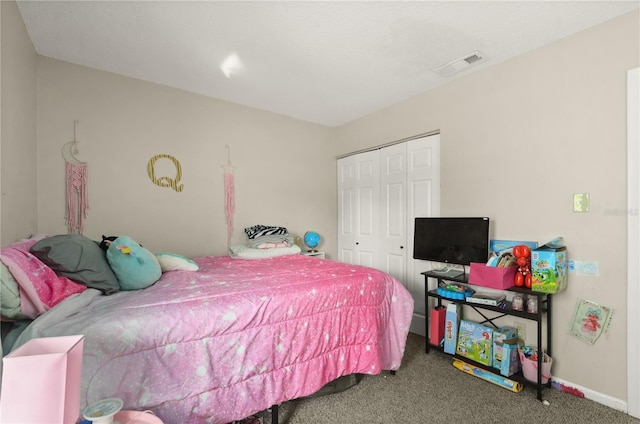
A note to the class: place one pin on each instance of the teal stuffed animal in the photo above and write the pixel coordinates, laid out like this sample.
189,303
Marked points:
134,266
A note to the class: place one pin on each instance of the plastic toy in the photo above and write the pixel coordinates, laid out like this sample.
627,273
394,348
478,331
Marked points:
503,382
522,252
454,291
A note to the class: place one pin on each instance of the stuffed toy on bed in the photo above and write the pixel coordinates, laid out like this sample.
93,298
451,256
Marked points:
134,266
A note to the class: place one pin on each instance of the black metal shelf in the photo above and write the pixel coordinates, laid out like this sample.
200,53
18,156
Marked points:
544,308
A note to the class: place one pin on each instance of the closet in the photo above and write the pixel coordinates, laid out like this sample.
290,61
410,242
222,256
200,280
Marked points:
380,192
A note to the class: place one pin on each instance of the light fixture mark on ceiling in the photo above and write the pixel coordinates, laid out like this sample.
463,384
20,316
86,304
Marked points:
231,65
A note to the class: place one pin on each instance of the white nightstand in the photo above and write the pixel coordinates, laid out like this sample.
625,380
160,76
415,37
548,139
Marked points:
315,254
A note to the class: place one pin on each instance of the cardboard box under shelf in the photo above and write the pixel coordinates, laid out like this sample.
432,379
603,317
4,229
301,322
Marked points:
500,278
451,323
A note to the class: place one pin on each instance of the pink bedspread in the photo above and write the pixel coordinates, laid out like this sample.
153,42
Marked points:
235,337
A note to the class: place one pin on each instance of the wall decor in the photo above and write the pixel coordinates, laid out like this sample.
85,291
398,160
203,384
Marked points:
590,320
229,194
77,184
165,181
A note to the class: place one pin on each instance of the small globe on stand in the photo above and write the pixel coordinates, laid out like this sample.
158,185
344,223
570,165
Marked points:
312,240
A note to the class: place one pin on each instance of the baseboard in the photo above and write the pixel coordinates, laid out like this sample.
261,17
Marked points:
598,397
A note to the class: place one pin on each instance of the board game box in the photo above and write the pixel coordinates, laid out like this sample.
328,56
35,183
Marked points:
475,342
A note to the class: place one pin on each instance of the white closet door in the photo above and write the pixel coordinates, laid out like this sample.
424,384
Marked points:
393,211
423,200
358,208
380,193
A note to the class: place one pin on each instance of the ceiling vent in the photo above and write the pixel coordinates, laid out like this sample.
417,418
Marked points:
461,64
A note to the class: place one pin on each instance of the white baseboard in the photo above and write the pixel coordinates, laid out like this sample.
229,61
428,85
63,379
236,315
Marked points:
611,402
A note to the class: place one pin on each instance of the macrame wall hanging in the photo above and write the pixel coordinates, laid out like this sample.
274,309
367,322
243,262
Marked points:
229,194
76,182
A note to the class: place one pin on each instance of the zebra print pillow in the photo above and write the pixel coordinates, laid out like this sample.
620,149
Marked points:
264,230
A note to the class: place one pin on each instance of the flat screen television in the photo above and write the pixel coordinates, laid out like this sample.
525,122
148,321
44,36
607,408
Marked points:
456,240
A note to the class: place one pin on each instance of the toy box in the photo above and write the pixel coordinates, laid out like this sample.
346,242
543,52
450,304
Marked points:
549,268
475,342
451,322
510,363
497,246
500,336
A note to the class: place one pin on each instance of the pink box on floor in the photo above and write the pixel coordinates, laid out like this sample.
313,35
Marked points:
41,381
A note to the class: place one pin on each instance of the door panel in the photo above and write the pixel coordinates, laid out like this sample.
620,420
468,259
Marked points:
423,200
393,186
358,206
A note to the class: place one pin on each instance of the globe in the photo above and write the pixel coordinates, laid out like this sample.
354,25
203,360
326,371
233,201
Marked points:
312,240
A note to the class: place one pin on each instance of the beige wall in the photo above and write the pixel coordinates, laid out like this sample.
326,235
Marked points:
518,139
285,168
18,145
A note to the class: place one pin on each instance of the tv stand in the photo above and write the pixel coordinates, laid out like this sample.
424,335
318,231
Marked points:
491,313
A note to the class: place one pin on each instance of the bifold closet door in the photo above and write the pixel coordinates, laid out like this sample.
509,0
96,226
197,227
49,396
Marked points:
393,211
359,209
423,200
380,193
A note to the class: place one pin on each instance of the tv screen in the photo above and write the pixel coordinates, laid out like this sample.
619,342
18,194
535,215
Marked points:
451,240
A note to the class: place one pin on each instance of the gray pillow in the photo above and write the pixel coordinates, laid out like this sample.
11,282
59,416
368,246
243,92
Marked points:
78,258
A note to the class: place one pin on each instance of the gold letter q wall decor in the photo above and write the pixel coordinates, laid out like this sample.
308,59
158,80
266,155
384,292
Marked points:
165,181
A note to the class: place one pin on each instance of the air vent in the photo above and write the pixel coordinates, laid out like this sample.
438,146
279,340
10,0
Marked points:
461,64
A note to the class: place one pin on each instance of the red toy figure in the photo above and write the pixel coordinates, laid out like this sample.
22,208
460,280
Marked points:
523,259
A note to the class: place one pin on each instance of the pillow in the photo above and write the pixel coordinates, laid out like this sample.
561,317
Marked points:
241,251
78,258
134,266
173,262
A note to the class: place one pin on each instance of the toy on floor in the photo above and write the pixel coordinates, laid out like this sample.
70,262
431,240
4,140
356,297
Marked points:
503,382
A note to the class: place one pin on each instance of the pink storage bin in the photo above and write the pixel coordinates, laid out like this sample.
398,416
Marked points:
492,277
41,381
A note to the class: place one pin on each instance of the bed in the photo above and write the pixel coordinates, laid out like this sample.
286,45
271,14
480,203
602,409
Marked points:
233,338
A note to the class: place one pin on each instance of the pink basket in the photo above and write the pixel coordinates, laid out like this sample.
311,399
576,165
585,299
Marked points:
500,278
530,368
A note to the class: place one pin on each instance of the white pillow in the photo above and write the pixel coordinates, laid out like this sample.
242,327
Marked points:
242,251
173,262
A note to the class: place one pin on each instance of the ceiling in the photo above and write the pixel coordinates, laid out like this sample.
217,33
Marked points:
323,62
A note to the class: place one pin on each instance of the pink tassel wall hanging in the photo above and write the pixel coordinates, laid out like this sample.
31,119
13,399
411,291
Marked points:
76,186
229,195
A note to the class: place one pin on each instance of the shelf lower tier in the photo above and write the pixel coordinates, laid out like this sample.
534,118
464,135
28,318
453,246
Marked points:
519,377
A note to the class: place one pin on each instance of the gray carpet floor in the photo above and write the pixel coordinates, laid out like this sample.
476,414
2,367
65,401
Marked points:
428,389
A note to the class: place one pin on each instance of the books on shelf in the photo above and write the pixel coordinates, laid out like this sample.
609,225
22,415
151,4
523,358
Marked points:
487,299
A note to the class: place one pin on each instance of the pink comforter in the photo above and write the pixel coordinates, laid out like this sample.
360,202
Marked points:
235,337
